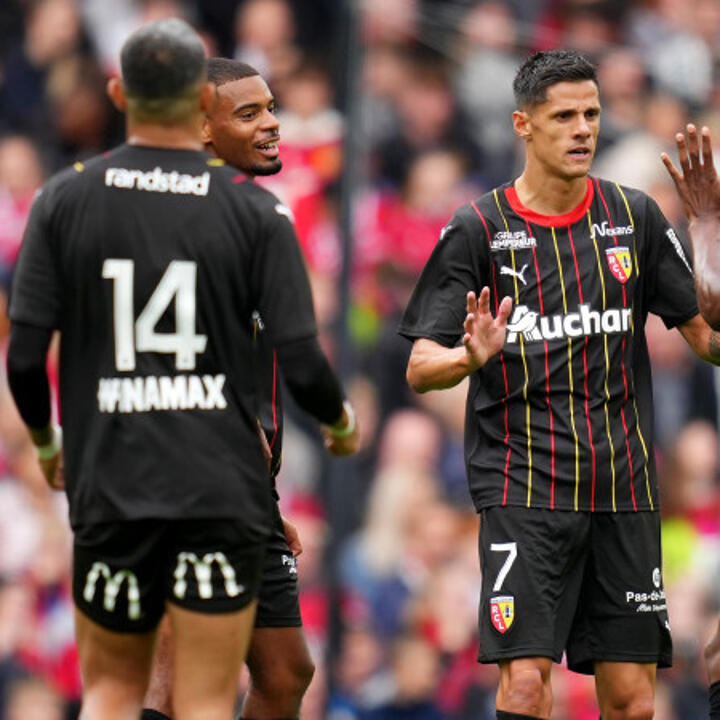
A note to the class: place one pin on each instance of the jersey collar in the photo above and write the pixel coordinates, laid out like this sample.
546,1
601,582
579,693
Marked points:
550,220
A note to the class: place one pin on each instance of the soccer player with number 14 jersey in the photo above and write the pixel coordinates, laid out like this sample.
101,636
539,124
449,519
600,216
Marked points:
151,260
539,292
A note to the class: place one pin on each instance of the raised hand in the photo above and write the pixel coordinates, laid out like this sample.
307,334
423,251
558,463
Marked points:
484,334
698,185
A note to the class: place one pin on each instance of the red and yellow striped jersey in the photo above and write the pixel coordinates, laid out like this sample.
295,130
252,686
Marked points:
562,417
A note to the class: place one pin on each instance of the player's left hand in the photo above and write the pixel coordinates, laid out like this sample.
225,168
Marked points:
697,185
292,537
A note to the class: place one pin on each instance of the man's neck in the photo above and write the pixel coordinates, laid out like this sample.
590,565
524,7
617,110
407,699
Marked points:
175,137
550,195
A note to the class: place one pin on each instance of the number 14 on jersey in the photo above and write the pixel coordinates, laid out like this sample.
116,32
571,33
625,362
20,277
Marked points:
178,283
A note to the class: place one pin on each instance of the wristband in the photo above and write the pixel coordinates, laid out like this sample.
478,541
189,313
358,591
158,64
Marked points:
349,429
49,451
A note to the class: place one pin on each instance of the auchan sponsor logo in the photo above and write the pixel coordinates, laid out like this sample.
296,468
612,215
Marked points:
586,321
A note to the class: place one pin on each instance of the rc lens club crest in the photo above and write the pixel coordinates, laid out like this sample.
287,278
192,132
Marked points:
502,612
620,262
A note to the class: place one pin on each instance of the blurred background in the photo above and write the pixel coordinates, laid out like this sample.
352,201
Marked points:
412,99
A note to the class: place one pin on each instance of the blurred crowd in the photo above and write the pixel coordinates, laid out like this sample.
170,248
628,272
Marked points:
390,581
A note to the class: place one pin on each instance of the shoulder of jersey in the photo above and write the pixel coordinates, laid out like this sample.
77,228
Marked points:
484,206
609,187
265,199
68,176
228,173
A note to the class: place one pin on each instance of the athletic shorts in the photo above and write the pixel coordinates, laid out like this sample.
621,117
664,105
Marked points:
278,604
125,572
588,584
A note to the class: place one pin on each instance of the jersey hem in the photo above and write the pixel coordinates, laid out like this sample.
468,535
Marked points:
487,505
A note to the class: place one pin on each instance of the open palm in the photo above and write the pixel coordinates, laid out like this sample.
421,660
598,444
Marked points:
484,334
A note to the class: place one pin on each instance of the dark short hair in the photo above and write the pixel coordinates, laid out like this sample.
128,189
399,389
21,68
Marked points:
547,68
224,70
163,59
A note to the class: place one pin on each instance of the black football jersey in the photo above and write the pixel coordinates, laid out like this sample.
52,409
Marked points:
562,417
151,263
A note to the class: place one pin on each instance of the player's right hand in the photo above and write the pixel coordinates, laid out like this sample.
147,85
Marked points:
54,471
484,334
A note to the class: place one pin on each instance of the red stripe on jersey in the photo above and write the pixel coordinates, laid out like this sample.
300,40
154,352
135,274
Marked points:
585,369
502,362
547,377
274,400
239,178
568,218
624,371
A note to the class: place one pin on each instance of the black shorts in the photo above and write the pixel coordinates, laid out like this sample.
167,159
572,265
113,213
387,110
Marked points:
589,584
278,604
125,572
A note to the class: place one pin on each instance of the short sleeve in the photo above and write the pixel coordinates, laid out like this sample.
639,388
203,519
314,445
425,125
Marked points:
670,287
36,297
280,279
437,307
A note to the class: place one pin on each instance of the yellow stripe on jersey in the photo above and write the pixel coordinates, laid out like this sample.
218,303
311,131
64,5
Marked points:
524,359
570,372
215,162
632,224
79,167
607,362
632,372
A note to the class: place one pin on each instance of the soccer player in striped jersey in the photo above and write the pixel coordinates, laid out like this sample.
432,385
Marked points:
241,128
698,186
538,292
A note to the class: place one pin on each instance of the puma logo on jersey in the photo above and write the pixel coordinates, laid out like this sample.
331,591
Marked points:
535,327
158,181
505,270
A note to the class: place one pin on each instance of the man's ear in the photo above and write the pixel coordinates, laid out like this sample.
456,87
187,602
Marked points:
522,125
205,132
207,97
116,93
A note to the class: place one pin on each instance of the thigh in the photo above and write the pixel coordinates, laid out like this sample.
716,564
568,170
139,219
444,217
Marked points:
209,652
532,564
278,602
215,569
115,669
623,617
119,572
